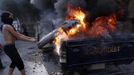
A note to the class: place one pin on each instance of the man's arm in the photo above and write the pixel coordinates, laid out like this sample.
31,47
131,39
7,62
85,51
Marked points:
18,35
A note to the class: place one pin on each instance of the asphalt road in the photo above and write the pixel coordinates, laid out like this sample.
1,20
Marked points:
32,59
38,62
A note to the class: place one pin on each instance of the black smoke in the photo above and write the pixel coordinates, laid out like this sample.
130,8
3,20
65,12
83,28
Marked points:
22,9
61,6
43,5
54,11
94,8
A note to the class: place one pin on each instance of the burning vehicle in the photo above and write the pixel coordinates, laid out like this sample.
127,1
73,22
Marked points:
79,42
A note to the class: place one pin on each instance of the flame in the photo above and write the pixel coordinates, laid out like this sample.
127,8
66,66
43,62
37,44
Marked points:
59,36
79,15
102,25
99,26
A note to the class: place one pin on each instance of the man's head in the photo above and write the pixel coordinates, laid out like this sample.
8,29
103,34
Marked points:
7,18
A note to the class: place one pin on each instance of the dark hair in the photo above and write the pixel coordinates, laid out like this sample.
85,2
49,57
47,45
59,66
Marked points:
6,19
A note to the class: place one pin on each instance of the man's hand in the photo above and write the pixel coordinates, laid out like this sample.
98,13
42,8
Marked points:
33,39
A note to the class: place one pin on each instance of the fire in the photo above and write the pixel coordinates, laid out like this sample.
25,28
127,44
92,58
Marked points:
60,36
79,15
100,26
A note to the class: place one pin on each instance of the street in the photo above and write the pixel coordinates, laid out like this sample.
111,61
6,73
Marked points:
31,57
38,62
